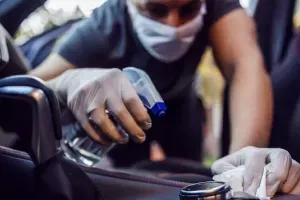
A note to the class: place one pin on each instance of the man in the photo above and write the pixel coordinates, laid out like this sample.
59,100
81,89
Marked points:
166,38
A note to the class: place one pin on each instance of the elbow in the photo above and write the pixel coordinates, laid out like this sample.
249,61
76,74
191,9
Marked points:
251,66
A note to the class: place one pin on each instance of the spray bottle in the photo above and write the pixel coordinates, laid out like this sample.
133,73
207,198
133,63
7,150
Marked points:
78,147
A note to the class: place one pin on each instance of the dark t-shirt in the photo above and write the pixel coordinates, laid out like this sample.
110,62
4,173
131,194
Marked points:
107,40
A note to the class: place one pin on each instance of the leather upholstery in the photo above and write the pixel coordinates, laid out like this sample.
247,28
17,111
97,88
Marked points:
17,174
26,110
23,80
17,181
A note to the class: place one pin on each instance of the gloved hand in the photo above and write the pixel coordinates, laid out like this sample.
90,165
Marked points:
283,173
88,93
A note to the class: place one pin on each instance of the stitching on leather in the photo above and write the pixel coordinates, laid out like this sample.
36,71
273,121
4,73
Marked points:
131,177
15,153
23,155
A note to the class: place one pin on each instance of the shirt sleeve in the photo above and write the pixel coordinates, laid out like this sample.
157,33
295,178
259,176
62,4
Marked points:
86,44
216,9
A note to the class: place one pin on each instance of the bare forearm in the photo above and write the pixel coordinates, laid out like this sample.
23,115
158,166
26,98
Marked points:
251,107
235,47
52,67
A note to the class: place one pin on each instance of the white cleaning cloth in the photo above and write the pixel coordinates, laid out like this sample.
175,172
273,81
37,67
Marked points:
234,178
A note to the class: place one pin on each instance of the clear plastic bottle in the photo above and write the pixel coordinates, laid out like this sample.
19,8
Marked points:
78,147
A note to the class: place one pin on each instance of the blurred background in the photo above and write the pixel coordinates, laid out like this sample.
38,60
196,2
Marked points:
208,83
57,12
54,13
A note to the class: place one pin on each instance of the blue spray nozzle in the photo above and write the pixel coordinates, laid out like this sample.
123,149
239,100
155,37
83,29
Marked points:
146,91
159,109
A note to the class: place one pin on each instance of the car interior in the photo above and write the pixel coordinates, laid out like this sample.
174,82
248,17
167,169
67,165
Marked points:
34,167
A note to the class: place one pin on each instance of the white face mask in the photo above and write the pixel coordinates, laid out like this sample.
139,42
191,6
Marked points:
165,43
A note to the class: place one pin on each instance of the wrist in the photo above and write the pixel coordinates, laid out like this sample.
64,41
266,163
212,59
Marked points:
238,145
54,85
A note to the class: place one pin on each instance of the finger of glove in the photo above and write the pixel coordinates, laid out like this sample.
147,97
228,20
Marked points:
223,165
106,126
77,104
88,128
279,162
134,105
123,133
230,162
118,109
292,184
255,162
296,189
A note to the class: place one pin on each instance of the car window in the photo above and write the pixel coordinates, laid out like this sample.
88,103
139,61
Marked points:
297,15
54,13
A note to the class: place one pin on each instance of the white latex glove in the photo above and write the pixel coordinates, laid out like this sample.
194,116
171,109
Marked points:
90,92
283,173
